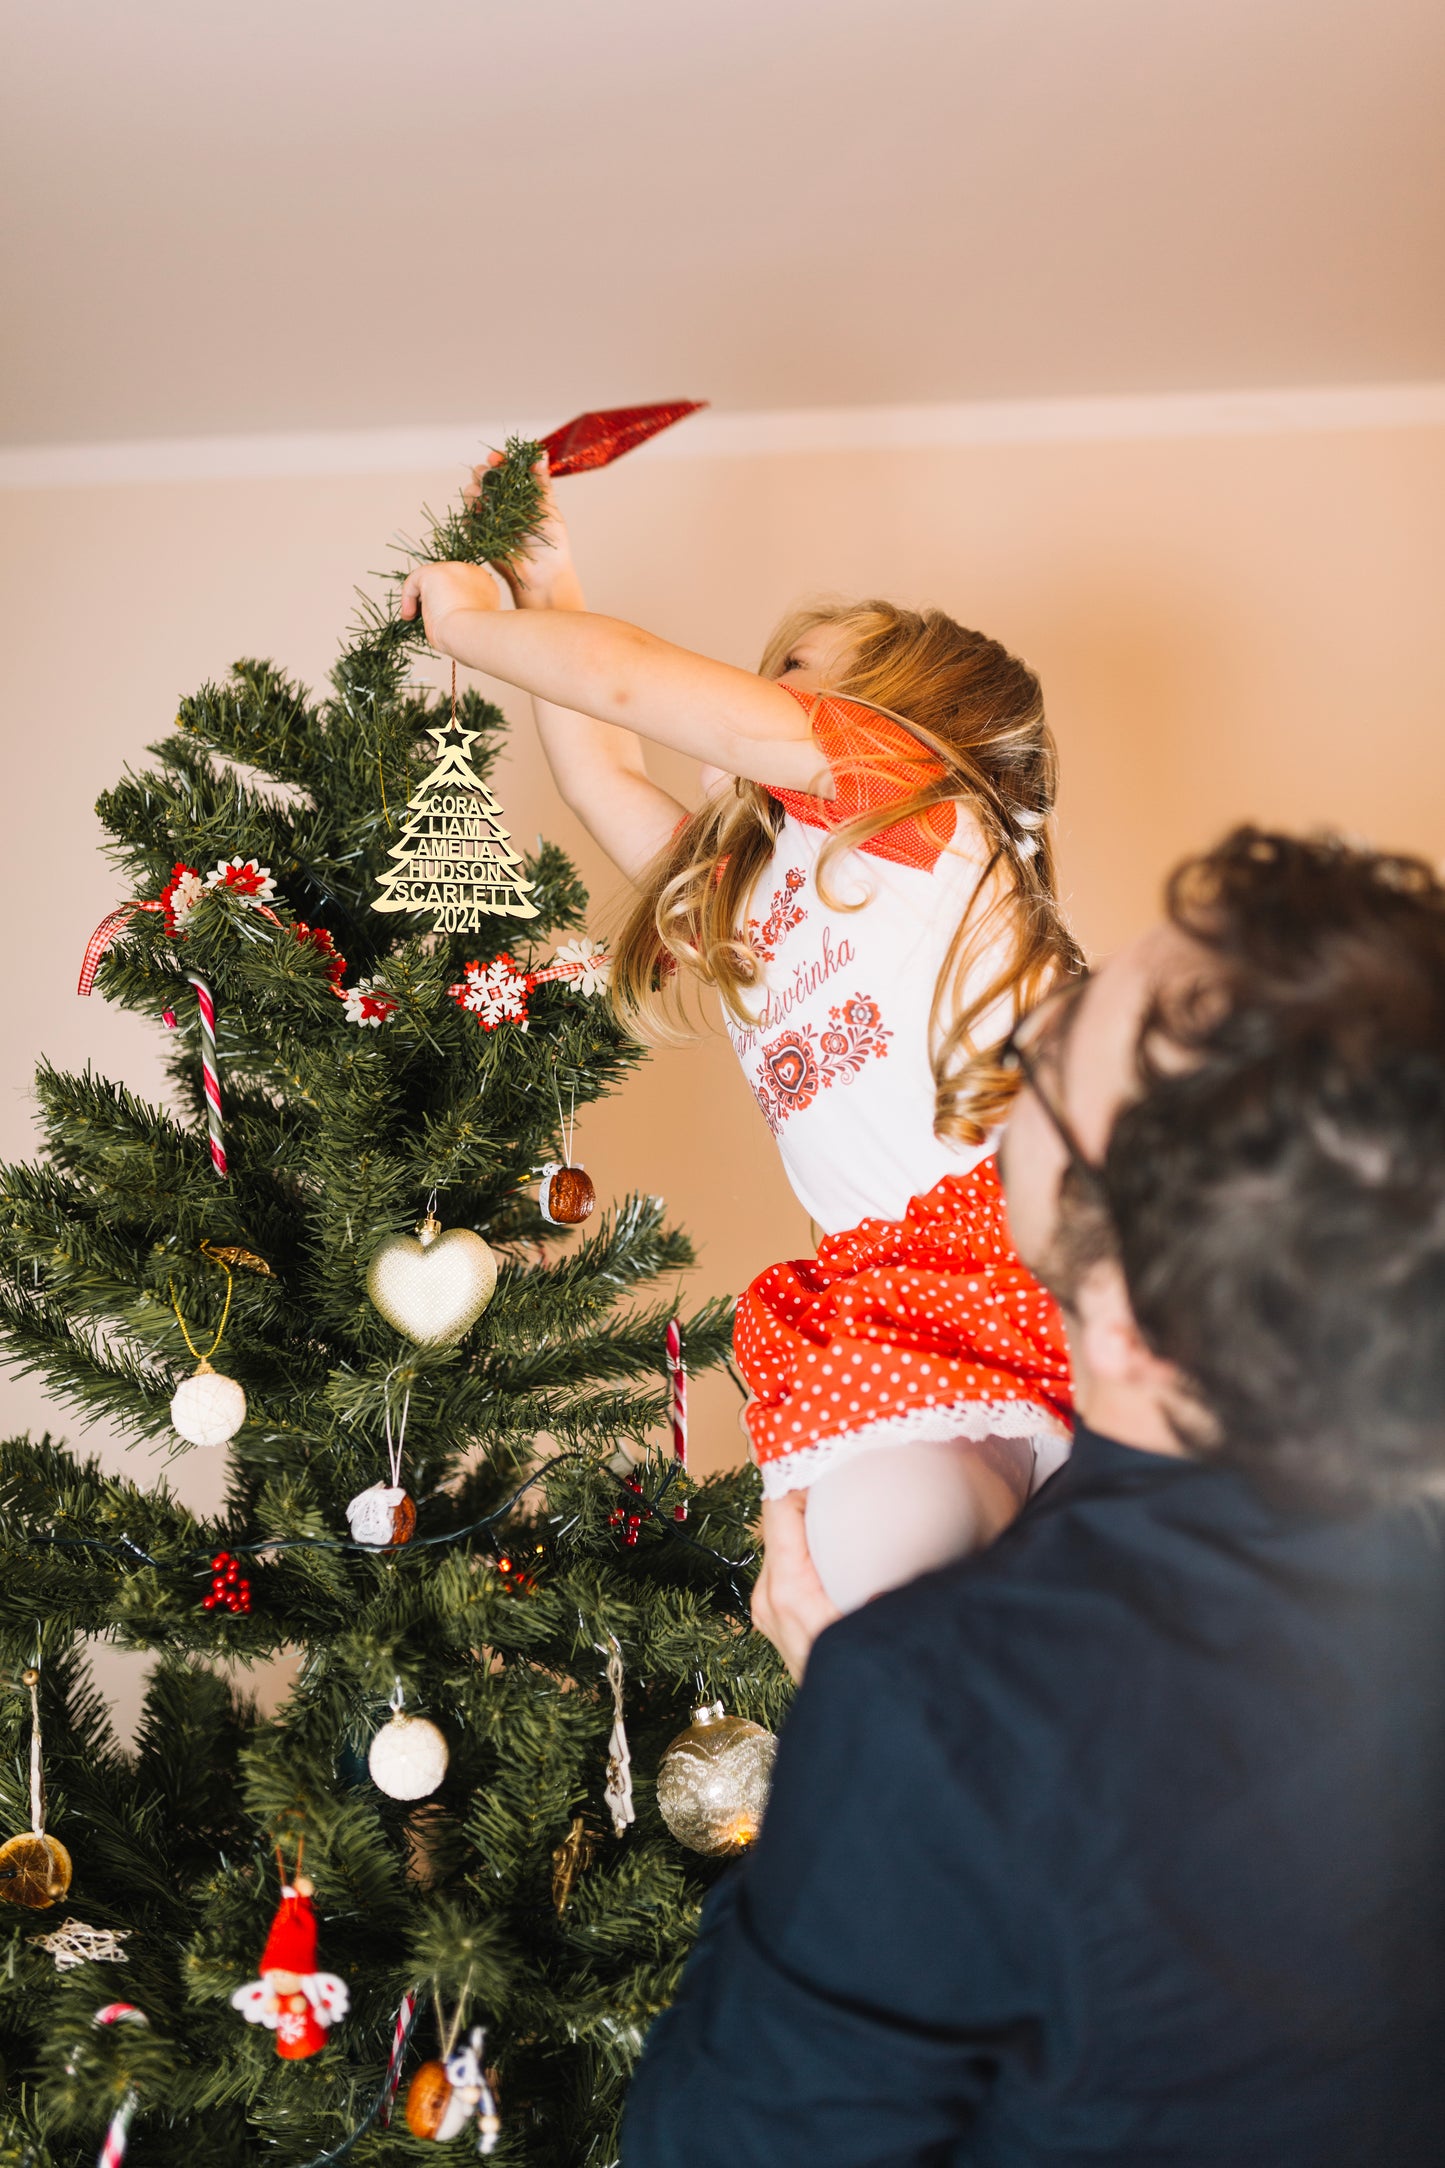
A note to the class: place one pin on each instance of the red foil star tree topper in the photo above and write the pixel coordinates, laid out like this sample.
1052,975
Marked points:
595,440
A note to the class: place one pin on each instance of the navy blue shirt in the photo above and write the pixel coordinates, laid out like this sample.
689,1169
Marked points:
1121,1842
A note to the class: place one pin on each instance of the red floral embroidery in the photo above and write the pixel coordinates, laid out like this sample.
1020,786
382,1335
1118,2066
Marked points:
764,939
799,1064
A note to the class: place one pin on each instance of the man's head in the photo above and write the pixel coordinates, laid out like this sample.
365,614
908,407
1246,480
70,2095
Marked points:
1229,1164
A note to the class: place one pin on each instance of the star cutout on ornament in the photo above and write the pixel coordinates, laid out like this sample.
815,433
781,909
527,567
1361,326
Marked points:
73,1943
451,737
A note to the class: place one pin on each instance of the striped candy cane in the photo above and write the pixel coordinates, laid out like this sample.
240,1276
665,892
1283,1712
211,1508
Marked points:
677,1371
117,2137
401,2033
210,1073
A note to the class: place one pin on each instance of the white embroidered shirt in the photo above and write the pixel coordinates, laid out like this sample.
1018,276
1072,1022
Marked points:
838,1052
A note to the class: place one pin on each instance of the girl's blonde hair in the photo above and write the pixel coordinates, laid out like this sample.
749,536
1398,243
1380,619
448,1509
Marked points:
979,711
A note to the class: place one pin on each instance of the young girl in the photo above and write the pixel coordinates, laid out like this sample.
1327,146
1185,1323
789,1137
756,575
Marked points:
869,885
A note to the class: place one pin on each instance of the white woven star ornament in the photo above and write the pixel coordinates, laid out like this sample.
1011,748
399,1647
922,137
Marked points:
73,1943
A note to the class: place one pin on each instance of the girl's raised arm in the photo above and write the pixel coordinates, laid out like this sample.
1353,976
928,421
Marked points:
598,768
613,673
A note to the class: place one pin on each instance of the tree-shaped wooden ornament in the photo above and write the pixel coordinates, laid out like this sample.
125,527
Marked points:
454,859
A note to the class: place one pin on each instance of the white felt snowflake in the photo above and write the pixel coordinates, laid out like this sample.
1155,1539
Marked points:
587,965
368,1002
73,1943
245,878
496,993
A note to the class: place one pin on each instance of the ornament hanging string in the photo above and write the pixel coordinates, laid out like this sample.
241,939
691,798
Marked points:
117,2137
204,1361
31,1678
448,2034
566,1123
395,1441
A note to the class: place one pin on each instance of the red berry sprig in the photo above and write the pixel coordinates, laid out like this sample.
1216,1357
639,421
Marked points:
627,1523
230,1590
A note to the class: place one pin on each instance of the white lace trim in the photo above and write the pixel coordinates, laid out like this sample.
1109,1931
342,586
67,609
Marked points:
979,1419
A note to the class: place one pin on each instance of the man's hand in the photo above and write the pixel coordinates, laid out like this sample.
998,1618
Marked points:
543,577
790,1604
440,591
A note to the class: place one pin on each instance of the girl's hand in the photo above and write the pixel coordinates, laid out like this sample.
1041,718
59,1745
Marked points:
790,1604
543,577
439,591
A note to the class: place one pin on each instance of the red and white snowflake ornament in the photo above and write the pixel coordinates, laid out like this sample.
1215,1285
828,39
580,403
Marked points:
244,877
494,993
182,892
368,1002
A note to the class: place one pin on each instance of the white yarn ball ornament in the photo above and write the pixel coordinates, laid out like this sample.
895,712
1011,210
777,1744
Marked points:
207,1409
408,1758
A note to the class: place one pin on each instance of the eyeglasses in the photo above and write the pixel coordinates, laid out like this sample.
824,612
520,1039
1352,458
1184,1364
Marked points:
1020,1052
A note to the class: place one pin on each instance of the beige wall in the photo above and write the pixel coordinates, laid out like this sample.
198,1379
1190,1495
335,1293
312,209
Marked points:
1225,628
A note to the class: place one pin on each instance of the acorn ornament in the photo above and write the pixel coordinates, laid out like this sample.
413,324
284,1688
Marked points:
408,1757
294,2000
432,1286
566,1195
35,1868
448,2098
208,1408
713,1781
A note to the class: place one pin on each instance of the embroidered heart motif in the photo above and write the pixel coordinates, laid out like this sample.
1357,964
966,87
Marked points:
791,1067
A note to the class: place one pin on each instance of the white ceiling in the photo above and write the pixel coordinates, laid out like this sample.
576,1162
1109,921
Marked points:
299,214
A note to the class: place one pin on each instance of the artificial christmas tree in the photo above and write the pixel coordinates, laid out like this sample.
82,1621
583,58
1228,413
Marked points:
332,1089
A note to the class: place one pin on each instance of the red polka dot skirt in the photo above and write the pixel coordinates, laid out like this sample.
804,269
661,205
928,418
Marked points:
928,1326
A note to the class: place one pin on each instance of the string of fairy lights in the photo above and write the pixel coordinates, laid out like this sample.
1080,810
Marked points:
638,1504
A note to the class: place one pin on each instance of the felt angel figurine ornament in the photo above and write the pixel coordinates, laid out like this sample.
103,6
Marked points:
297,2002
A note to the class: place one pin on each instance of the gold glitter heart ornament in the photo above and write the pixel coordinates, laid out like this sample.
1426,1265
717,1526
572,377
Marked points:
432,1286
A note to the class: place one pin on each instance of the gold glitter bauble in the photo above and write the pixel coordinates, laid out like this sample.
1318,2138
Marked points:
432,1286
712,1783
34,1871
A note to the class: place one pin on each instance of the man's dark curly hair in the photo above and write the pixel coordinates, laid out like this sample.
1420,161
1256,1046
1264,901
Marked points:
1278,1199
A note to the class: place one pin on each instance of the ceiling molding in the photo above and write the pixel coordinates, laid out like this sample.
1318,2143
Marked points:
749,435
